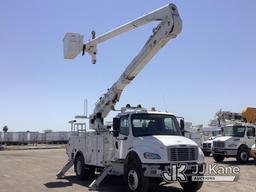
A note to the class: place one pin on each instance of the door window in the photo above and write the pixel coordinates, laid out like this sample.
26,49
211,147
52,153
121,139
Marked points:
124,125
251,132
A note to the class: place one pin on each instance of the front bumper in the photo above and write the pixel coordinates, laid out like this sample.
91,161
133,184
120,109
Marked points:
207,150
227,152
156,170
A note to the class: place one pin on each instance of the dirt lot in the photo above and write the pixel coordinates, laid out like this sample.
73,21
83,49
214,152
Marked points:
35,170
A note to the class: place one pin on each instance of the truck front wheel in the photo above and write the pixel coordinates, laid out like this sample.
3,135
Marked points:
218,158
134,178
191,185
242,155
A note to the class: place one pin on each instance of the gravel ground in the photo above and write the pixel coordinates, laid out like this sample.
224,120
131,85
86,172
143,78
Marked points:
35,170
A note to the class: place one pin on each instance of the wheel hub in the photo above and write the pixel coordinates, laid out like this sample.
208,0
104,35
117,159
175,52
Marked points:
133,180
243,156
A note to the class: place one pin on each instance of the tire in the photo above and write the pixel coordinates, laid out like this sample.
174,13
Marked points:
191,186
242,155
82,172
207,154
218,158
79,167
134,178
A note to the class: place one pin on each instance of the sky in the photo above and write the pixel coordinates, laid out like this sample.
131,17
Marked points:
209,66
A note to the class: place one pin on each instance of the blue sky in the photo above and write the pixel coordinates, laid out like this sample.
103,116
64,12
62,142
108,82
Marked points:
210,65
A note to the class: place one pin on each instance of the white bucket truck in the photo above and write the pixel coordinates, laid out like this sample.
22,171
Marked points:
143,143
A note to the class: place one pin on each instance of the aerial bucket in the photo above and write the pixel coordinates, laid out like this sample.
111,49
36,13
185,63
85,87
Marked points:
72,44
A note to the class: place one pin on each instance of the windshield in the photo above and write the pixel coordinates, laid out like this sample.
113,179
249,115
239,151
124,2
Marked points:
235,131
154,124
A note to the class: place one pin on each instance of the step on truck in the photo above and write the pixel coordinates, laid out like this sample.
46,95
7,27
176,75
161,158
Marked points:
141,144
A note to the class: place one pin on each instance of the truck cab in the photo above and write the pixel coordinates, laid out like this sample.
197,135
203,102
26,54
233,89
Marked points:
151,141
236,141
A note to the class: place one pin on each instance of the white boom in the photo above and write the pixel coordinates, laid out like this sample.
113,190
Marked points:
169,27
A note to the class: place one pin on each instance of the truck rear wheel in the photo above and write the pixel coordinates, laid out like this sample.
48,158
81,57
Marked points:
79,167
82,172
218,158
134,178
242,155
191,185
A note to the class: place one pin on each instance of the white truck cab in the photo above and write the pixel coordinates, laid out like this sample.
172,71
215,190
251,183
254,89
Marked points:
236,141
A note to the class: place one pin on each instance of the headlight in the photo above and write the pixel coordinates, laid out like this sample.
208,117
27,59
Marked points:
149,155
232,145
200,156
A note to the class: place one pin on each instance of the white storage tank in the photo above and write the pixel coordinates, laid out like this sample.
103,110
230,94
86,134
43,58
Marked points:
41,138
23,137
57,137
8,137
15,137
32,137
1,137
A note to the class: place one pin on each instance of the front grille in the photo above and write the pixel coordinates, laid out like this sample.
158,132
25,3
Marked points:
182,154
207,145
218,144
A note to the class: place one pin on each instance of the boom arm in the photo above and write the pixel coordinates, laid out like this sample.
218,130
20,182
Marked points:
169,27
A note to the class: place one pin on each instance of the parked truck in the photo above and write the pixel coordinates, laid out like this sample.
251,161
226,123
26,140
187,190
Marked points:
209,134
237,138
142,143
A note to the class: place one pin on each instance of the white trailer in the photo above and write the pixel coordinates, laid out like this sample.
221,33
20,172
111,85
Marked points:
143,143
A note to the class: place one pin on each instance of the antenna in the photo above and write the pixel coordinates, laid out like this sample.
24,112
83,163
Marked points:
85,114
164,103
86,107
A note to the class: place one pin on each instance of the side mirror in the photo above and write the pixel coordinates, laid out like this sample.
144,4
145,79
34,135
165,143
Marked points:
182,127
116,127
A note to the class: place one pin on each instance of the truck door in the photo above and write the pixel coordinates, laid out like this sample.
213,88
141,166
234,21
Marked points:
122,141
251,136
